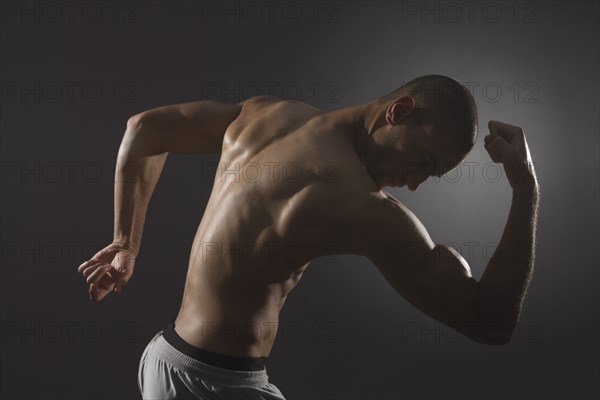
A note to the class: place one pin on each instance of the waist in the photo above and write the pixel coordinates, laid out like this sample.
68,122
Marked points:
210,357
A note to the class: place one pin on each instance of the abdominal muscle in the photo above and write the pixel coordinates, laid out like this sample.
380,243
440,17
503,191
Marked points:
224,322
238,276
233,308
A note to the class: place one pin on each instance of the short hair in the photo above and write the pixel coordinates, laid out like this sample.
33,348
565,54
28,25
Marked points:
441,98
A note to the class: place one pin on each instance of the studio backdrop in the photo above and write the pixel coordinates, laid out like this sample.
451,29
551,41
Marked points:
73,73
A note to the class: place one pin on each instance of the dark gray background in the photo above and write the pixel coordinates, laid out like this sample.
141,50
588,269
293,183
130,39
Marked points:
346,333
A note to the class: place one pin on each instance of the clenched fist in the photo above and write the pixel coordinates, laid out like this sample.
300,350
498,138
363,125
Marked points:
507,144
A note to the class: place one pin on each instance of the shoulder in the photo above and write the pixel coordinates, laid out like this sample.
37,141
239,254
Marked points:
258,106
381,203
385,221
261,100
280,115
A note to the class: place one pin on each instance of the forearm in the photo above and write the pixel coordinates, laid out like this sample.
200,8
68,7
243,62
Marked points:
507,276
136,175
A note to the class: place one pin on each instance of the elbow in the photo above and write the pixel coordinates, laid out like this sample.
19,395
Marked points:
490,323
143,122
490,334
134,123
485,331
491,331
141,137
501,338
132,131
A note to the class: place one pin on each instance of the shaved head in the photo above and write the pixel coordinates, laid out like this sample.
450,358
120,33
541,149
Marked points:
442,102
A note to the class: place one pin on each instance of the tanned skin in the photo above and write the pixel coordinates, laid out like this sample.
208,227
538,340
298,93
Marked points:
292,178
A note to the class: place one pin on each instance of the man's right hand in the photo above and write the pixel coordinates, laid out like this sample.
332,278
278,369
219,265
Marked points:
108,270
506,144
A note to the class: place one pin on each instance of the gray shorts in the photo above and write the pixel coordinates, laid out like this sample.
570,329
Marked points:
167,373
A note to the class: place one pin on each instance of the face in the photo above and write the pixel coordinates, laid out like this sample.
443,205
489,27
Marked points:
405,153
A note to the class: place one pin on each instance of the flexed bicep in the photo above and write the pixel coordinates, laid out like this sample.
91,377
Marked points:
433,277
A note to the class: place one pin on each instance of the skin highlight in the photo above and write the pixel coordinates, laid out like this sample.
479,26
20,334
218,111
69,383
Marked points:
370,146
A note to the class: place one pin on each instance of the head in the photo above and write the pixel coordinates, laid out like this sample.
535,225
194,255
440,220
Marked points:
427,128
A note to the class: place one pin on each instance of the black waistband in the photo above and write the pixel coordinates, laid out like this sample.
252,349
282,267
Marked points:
209,357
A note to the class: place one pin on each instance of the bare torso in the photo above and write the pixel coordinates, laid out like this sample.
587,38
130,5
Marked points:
278,198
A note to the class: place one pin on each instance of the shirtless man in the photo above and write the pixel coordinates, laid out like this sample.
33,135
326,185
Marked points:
293,177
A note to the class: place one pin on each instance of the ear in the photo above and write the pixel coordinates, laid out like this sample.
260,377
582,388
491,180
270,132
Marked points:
400,109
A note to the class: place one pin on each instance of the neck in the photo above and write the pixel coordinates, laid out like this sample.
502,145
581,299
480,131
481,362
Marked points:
358,124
